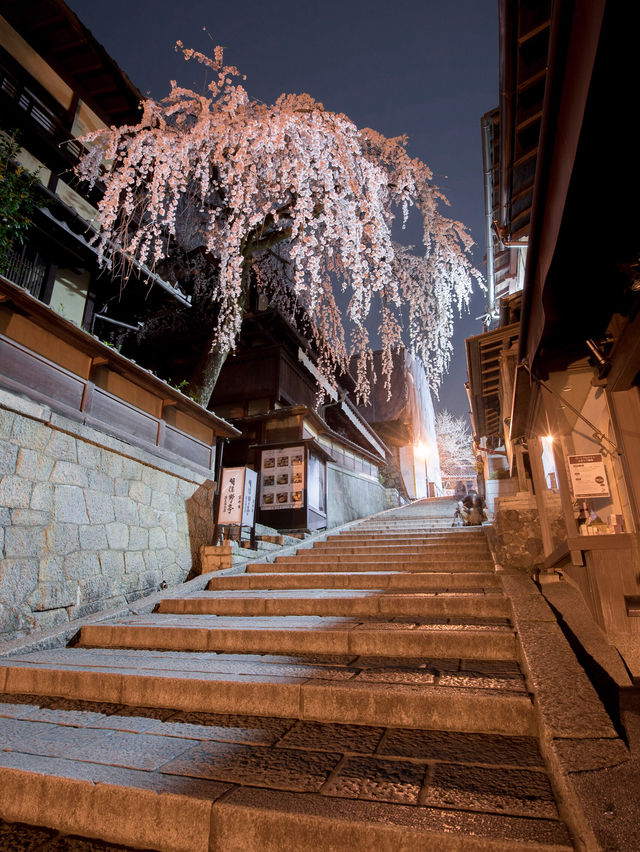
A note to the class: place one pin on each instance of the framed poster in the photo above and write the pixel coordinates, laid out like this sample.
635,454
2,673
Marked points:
282,478
588,475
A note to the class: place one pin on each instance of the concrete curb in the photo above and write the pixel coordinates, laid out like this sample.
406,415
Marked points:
576,734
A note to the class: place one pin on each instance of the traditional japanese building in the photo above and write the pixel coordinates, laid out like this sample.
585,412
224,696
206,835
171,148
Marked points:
558,387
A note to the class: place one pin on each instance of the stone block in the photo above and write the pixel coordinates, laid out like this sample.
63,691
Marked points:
42,497
81,564
93,537
69,504
18,577
150,579
50,618
99,481
29,518
138,538
62,447
111,464
1,540
8,458
117,535
21,542
150,560
111,562
134,563
160,500
15,492
7,419
157,538
148,517
122,487
131,469
126,511
89,455
52,595
140,492
184,559
175,574
62,538
99,507
168,520
95,588
166,558
26,462
31,434
176,541
128,584
12,621
69,473
215,558
51,569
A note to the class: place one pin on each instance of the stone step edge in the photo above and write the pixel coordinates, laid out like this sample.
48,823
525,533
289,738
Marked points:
463,644
304,567
384,605
377,579
439,708
177,822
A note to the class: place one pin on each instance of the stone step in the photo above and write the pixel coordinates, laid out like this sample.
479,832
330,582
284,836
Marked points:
424,555
177,782
420,566
417,528
241,684
472,534
366,603
358,580
484,639
391,548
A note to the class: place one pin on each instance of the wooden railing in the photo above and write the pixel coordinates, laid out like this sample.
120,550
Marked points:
85,392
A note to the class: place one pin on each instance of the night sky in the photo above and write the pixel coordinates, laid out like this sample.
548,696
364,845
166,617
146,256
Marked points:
425,68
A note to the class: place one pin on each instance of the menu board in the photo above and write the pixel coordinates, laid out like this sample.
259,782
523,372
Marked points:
588,475
282,478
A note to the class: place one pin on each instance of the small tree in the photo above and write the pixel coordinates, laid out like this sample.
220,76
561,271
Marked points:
19,196
293,199
454,444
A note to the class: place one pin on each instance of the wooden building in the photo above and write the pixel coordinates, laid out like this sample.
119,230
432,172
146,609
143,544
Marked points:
562,385
56,83
318,463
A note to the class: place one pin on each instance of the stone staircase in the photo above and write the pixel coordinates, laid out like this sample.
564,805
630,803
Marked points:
364,693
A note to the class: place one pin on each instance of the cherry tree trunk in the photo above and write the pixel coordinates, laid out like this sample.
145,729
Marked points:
207,372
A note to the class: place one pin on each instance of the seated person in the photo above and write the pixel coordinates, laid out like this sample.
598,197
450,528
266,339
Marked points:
472,510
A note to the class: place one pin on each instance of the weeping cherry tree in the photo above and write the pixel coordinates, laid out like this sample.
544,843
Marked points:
294,200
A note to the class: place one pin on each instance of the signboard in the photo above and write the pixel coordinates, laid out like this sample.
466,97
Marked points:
237,496
588,476
282,478
249,498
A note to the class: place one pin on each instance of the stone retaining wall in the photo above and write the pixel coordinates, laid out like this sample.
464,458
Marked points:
515,537
351,496
87,521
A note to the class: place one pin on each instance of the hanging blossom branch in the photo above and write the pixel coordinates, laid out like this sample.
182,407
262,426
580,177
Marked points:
230,177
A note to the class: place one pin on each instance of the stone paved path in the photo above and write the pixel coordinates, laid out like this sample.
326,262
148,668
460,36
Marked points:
363,694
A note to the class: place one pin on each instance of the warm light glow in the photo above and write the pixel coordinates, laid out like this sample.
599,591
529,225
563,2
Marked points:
548,439
421,450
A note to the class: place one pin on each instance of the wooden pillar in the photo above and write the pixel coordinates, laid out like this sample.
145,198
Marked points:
540,487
